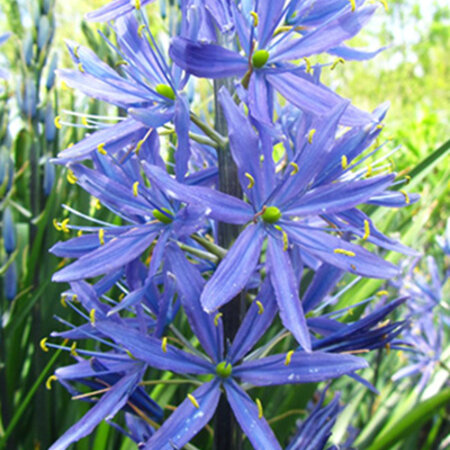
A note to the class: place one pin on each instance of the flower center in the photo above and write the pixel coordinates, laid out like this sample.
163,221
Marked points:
224,369
260,58
157,214
166,91
271,214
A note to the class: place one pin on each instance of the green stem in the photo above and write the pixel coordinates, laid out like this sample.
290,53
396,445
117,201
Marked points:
210,132
210,246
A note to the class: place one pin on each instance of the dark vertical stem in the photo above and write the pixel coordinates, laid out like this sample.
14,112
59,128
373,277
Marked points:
227,435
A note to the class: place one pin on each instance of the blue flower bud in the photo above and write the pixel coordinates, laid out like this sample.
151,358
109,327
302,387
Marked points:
49,177
9,232
29,98
28,49
44,32
10,281
6,171
50,128
51,72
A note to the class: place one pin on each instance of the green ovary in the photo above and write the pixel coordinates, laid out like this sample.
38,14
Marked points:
259,58
271,214
224,369
157,214
165,90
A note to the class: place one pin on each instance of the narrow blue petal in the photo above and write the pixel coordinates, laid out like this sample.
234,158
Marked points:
182,123
394,199
207,60
187,420
108,406
149,349
128,301
152,116
269,16
354,54
302,368
113,10
286,290
235,270
256,428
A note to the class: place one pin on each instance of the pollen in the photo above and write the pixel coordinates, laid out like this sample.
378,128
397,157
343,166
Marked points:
101,149
63,300
385,4
341,251
251,180
311,135
80,67
137,4
260,408
366,230
369,171
80,233
164,344
57,225
405,194
344,162
260,307
255,16
216,319
140,30
71,178
294,168
57,122
289,354
73,349
381,293
308,64
64,224
92,317
50,379
338,60
136,188
101,236
193,400
43,344
352,2
84,121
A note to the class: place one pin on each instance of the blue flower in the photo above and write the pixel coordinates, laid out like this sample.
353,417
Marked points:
3,38
115,9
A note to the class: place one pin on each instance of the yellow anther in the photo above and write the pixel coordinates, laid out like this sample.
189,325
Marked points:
96,203
311,135
352,2
57,225
341,251
75,298
407,178
63,300
75,51
64,225
121,296
57,122
285,237
80,233
260,307
251,180
344,162
137,4
73,349
308,64
338,60
121,63
388,348
140,30
64,86
80,67
71,178
84,121
164,344
101,236
216,319
43,344
101,149
385,4
260,408
130,354
92,317
70,145
193,400
369,171
50,379
405,194
136,188
139,145
380,126
381,293
255,16
366,229
289,354
294,168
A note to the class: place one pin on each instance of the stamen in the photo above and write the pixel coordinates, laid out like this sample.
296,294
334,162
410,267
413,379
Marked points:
380,126
308,65
164,344
43,344
130,354
251,180
352,2
260,307
369,171
57,225
75,298
57,122
341,251
353,266
255,16
92,317
73,351
294,168
50,379
285,237
388,348
75,51
80,233
64,225
80,67
405,194
193,400
101,236
135,188
311,135
338,60
71,178
84,121
216,319
381,293
137,4
407,178
260,408
385,4
63,300
366,229
344,162
96,203
289,354
140,30
101,149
